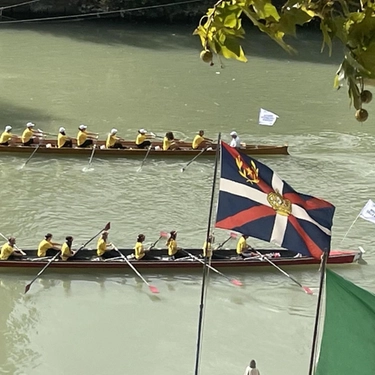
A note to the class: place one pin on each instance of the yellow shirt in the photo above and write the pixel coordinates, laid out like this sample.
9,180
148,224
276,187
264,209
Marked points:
81,137
61,139
241,245
139,250
140,138
26,135
66,253
101,247
166,143
209,249
111,140
6,251
197,141
5,137
172,247
43,247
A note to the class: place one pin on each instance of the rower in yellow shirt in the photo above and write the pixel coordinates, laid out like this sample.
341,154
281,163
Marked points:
8,250
85,138
113,141
66,249
63,140
210,252
29,135
243,248
103,248
7,137
142,139
200,142
139,250
47,247
174,251
170,142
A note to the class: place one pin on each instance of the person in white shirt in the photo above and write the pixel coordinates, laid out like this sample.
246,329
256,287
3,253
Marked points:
252,369
235,142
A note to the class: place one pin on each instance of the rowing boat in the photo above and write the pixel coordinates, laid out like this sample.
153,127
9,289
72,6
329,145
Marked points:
49,147
87,259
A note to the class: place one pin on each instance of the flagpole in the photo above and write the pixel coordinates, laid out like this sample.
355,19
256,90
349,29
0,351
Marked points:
351,226
201,306
317,314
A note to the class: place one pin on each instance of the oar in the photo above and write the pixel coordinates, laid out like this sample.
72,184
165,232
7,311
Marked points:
32,154
202,151
232,235
162,234
233,281
28,286
91,157
15,246
305,288
47,133
152,288
144,159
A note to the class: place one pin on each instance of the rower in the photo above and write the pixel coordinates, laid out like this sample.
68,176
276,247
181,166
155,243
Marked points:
8,251
6,137
113,141
139,250
102,248
252,369
28,136
200,142
66,249
85,138
243,248
63,140
47,247
173,251
210,253
169,142
235,142
141,140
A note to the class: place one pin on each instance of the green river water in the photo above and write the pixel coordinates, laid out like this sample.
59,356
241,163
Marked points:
106,76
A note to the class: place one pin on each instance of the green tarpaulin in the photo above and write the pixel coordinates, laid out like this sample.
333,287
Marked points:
348,341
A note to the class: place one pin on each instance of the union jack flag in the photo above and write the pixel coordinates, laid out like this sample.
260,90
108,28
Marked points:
255,201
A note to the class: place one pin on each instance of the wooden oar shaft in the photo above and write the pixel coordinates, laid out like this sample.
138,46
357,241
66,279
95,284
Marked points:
144,159
223,243
32,154
196,156
155,243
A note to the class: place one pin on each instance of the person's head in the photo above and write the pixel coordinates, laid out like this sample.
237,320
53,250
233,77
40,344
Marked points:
113,131
233,134
11,241
48,236
173,235
169,136
141,237
245,237
142,131
82,127
62,130
69,239
30,125
201,133
105,235
253,364
210,238
8,128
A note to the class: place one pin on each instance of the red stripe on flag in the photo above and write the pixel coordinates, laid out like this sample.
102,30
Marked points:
310,204
314,250
244,217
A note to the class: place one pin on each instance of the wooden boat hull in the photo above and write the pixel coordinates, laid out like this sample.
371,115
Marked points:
87,261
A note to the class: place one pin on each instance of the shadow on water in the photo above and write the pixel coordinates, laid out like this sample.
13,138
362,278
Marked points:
177,37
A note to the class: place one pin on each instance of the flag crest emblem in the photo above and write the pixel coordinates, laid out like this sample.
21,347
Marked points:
256,202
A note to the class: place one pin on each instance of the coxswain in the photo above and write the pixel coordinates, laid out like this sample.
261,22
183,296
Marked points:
103,248
142,139
139,250
169,142
252,369
210,253
243,248
113,141
85,138
63,140
66,249
47,247
200,142
6,137
8,251
173,251
235,142
28,136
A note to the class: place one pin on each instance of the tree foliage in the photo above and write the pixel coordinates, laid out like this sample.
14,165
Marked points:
352,23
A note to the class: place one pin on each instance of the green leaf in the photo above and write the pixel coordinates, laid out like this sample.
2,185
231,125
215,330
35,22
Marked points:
265,10
231,49
326,38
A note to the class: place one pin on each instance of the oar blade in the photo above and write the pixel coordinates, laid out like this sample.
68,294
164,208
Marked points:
27,288
153,289
163,234
107,227
233,235
307,290
236,282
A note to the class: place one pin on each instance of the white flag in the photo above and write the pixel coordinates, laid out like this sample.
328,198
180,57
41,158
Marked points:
267,117
368,212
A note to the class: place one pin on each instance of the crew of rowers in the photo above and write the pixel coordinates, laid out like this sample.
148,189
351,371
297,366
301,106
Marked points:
85,139
104,249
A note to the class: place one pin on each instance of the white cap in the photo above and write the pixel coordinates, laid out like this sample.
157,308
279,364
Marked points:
82,127
30,125
233,133
142,131
62,130
8,128
113,131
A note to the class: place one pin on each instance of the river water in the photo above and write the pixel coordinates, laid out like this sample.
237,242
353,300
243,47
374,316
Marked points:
108,76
